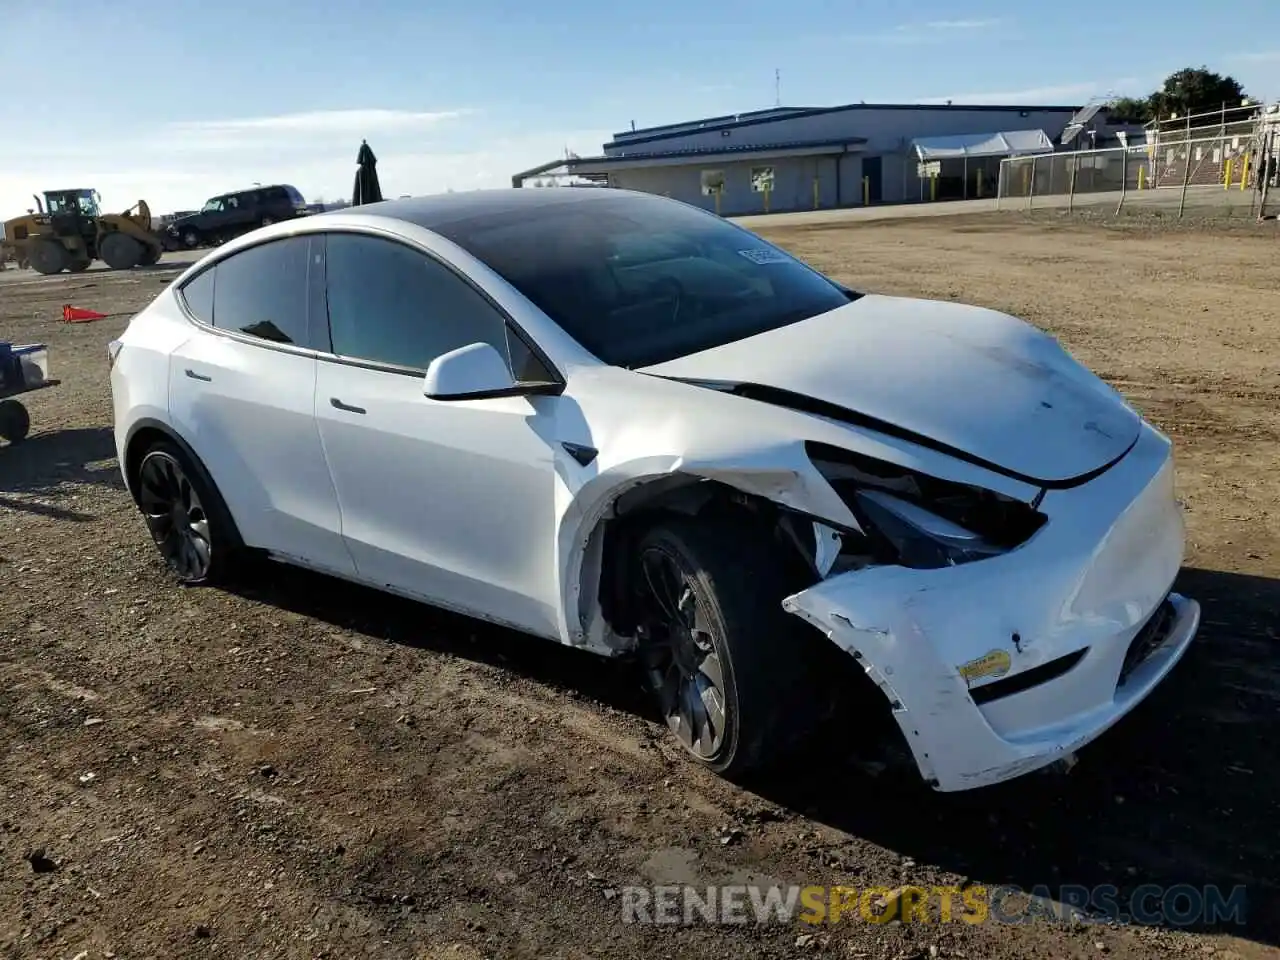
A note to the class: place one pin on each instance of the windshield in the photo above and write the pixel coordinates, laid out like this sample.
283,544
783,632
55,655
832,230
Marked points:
84,202
212,206
639,280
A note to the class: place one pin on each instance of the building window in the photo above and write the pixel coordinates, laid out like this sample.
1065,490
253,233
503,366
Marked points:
762,179
712,182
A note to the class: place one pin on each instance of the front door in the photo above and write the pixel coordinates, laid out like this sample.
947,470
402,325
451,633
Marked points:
449,501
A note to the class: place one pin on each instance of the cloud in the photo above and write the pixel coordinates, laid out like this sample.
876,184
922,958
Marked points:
322,122
1078,91
299,131
177,166
931,31
962,24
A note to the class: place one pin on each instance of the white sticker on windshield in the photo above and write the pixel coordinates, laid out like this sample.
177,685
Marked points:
764,255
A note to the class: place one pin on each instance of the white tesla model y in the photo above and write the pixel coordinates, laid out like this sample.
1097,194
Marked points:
619,422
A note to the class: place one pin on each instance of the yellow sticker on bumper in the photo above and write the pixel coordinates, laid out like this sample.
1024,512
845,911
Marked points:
993,664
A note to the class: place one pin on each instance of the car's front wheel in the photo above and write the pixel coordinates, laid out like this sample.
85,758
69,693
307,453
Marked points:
187,518
720,655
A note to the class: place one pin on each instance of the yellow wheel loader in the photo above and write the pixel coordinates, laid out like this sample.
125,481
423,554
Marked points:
68,231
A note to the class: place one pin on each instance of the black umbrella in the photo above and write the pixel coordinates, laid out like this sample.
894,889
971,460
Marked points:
367,189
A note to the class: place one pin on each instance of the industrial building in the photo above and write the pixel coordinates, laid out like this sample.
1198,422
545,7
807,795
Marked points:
804,158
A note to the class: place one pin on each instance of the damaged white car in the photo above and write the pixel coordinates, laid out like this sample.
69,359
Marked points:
616,421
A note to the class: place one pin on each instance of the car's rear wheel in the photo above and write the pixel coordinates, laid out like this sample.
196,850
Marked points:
15,422
720,655
188,519
191,238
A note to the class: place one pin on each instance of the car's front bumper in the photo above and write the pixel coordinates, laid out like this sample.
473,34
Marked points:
1085,585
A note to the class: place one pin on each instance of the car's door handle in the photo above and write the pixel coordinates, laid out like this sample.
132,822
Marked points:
339,405
198,376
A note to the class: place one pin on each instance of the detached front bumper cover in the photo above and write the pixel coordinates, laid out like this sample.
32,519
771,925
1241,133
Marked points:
1086,586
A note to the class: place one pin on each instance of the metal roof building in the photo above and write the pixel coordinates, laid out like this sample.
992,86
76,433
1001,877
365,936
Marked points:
804,158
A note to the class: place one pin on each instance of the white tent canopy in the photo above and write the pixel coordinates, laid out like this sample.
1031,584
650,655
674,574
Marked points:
1009,143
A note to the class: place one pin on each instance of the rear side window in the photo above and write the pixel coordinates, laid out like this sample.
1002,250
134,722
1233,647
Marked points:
197,294
262,292
391,304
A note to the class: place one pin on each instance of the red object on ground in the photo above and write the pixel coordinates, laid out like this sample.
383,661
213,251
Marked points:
72,314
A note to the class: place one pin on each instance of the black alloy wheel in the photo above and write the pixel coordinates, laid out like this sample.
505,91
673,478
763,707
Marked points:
683,665
176,516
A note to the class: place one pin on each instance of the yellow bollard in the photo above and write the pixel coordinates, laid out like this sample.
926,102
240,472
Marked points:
977,183
933,188
1244,172
866,191
1226,180
815,193
766,199
718,203
1142,176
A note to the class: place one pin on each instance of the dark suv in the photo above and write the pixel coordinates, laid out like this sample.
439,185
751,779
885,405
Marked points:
231,214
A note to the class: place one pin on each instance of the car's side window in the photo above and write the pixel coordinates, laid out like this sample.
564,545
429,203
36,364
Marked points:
391,304
197,294
262,292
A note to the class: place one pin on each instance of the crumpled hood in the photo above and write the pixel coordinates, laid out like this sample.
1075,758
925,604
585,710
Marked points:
973,380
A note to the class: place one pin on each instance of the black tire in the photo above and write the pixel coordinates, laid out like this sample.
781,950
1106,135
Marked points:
151,256
78,266
121,252
185,514
735,585
191,238
47,256
15,422
267,221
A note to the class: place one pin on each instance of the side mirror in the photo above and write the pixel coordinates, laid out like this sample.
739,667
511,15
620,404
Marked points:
473,372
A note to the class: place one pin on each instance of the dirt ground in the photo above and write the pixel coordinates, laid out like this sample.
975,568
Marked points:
301,768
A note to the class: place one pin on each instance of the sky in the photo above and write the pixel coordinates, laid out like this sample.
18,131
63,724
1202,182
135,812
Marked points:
176,101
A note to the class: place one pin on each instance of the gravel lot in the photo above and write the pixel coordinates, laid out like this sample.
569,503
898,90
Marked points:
296,767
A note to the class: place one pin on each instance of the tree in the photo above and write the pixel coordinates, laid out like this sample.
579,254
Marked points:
1130,110
1189,91
1192,90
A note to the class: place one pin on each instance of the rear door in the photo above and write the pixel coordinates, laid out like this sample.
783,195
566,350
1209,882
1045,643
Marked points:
247,211
241,391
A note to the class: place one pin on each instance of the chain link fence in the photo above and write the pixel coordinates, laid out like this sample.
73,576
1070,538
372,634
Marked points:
1229,169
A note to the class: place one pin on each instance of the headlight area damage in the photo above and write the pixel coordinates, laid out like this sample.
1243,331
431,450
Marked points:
909,519
1003,633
